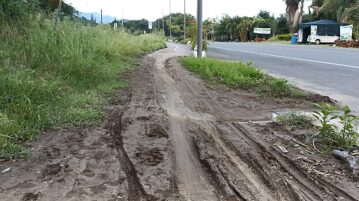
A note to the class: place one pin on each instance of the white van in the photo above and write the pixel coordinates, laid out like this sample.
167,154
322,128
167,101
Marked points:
328,38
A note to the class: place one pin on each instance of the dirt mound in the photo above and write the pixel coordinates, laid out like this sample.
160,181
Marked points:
317,98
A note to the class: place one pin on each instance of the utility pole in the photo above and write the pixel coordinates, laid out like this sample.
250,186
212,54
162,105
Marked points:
57,19
123,28
170,21
184,21
199,30
101,16
214,22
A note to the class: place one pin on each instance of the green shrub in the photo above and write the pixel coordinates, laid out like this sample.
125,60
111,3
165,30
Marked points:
330,135
286,37
327,131
279,87
348,135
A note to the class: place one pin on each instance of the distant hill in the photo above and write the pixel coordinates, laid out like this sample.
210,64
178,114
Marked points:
105,18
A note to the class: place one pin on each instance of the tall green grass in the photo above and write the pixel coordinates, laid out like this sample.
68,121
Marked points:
241,75
50,78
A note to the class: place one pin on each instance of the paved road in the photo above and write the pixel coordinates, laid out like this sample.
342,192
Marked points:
320,69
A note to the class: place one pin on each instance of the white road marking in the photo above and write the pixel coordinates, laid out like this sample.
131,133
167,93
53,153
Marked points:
317,49
292,58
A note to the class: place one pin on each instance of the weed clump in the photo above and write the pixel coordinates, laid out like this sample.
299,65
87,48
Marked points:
342,135
295,120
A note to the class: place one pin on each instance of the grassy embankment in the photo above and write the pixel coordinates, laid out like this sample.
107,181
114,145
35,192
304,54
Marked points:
49,79
241,75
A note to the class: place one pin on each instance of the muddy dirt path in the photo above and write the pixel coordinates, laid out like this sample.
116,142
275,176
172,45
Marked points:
172,137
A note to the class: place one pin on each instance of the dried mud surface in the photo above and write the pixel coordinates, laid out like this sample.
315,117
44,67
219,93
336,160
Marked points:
171,137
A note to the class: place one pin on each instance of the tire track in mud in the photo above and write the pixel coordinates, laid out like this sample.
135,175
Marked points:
115,128
321,189
244,173
288,182
245,182
140,131
192,180
249,186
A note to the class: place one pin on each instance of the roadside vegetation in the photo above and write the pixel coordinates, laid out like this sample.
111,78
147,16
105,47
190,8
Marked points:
49,77
281,37
338,129
241,75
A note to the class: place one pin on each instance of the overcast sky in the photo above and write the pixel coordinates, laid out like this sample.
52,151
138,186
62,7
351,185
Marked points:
152,9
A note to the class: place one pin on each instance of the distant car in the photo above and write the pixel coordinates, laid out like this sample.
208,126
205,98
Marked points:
318,39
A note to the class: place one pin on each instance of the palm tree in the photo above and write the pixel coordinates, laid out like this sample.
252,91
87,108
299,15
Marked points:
294,13
332,9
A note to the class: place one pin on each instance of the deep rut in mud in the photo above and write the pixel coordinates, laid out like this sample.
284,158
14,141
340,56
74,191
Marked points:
170,137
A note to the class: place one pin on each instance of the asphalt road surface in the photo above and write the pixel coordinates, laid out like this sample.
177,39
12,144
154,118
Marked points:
320,69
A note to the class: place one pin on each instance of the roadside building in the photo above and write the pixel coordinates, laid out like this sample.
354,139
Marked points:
321,31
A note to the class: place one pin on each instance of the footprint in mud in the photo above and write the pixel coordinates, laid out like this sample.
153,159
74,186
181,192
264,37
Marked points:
144,118
150,157
155,131
88,173
52,152
52,170
31,196
98,189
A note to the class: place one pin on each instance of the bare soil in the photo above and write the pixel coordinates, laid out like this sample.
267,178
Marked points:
172,137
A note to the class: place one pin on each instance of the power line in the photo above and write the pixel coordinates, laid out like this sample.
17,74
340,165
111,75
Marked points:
101,16
199,30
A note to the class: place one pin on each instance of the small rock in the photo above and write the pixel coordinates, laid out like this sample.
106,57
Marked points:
357,186
6,170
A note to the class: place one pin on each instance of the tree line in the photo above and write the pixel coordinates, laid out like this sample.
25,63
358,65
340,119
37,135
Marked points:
238,28
226,28
18,11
